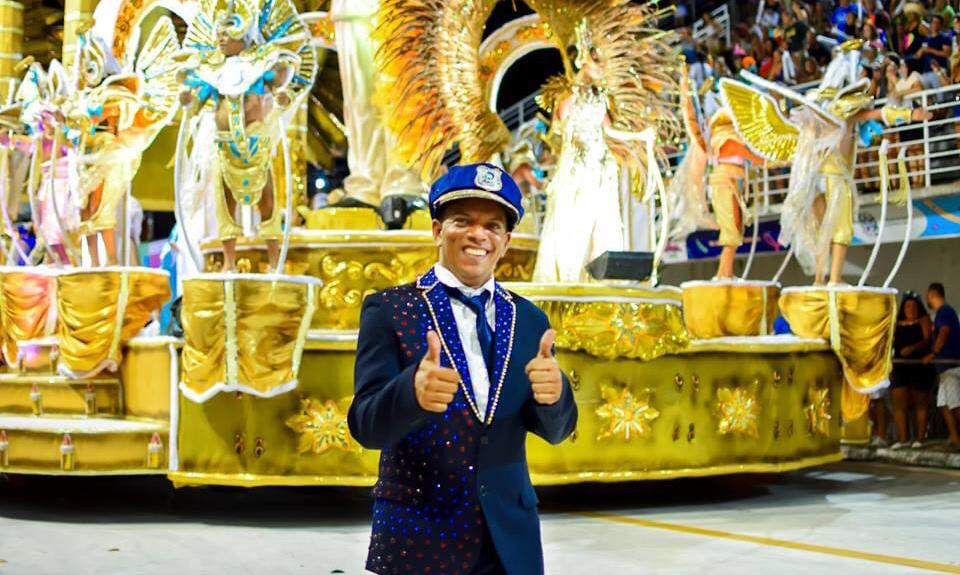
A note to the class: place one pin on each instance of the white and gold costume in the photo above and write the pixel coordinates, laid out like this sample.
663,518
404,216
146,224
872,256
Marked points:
277,58
435,97
583,217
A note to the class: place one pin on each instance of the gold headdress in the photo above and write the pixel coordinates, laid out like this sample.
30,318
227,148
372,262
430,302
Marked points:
91,57
237,19
584,44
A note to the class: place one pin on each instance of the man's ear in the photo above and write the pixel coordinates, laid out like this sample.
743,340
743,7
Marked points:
437,226
506,244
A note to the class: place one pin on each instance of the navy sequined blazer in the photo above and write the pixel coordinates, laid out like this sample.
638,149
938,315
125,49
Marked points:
444,477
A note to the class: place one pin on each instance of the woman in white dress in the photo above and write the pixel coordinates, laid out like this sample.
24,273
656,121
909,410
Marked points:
583,217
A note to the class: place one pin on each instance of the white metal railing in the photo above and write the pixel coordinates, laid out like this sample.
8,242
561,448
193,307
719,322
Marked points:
721,16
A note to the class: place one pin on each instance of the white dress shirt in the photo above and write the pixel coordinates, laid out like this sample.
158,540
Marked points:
467,326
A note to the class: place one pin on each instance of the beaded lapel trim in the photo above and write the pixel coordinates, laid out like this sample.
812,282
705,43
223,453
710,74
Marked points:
441,315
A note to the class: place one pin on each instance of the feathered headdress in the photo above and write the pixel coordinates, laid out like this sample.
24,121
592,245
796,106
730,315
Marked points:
238,20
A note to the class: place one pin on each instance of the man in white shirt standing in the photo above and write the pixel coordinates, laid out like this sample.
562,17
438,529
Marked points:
451,374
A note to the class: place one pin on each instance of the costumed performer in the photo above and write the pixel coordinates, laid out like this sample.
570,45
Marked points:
584,217
247,76
718,146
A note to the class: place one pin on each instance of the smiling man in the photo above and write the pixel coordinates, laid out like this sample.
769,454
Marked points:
451,374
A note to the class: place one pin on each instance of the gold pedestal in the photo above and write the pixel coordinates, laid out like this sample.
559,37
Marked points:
100,310
28,309
859,323
729,308
609,321
244,333
651,404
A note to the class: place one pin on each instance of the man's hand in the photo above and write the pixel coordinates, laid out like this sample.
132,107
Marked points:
435,386
544,372
928,358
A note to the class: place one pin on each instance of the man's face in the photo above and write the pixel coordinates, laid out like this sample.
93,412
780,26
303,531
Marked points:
229,46
472,236
931,300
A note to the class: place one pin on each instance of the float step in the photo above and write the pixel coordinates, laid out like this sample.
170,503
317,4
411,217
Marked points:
55,395
82,446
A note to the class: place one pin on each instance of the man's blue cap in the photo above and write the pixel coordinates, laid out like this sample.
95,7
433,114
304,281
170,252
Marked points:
482,181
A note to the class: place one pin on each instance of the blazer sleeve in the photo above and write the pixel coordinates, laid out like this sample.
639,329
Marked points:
556,422
384,408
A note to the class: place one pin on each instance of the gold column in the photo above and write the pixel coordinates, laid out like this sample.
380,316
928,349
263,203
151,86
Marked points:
75,13
297,135
11,45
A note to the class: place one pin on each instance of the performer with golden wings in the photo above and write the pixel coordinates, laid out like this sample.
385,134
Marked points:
113,113
613,106
246,64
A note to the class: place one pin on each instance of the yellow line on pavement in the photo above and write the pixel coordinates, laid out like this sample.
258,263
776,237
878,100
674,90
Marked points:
835,551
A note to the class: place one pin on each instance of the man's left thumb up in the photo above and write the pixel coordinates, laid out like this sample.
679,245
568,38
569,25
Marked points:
546,344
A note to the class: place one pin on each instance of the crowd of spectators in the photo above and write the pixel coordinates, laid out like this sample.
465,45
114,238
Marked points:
907,45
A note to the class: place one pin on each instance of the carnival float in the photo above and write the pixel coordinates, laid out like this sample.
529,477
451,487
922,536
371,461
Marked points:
670,381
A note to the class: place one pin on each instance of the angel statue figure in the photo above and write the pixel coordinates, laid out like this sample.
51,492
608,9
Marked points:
113,111
819,141
37,99
246,65
716,150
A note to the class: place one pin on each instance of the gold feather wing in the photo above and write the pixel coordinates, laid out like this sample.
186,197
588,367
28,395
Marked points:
640,66
157,66
432,95
281,26
201,37
758,120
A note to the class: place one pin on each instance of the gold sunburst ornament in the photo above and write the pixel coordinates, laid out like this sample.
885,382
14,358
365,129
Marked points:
739,410
626,415
818,411
322,426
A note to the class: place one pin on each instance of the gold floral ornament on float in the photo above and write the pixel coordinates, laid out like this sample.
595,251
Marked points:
738,410
321,426
625,414
818,411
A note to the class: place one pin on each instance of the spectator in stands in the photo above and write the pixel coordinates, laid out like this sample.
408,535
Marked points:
903,79
914,31
769,59
770,18
946,346
839,17
912,383
794,33
944,9
871,38
818,51
936,47
810,71
687,46
849,27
